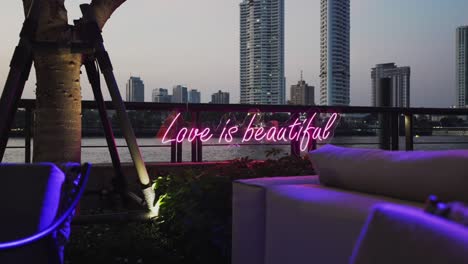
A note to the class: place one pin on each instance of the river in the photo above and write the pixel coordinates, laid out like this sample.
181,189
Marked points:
153,151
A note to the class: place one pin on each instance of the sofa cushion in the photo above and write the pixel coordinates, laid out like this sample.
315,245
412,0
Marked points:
395,234
412,175
248,216
312,223
30,195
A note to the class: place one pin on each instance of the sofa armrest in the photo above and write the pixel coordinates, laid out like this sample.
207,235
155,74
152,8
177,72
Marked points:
397,234
248,216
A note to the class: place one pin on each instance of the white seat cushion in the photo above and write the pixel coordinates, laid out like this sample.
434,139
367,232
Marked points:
407,175
396,234
248,216
315,224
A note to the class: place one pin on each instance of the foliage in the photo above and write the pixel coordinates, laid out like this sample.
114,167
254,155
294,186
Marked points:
194,225
118,243
195,213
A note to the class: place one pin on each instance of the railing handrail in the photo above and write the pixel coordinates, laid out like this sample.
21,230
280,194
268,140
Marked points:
31,104
389,117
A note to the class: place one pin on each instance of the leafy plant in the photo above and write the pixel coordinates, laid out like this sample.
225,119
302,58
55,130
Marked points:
194,225
195,213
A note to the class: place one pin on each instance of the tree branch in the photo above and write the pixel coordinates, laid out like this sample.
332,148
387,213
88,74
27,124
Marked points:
53,20
103,9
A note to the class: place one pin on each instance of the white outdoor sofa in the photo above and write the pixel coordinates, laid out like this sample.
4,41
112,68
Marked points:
319,219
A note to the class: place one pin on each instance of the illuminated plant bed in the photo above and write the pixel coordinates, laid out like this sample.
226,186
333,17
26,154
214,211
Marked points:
194,225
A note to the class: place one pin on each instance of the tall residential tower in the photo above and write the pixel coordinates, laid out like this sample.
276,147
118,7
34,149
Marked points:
462,66
400,76
135,90
262,78
194,96
161,95
220,98
334,52
302,93
179,94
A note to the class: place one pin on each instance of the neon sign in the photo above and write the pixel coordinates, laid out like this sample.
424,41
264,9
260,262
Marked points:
302,131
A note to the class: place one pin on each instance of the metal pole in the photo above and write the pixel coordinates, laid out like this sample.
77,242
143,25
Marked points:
93,77
384,93
20,67
199,142
313,143
173,152
295,149
94,36
194,143
395,131
179,144
409,132
27,135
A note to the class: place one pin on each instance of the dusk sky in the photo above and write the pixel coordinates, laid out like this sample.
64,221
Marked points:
196,43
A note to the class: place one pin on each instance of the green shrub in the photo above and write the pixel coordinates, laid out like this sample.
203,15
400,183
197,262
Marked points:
195,210
194,225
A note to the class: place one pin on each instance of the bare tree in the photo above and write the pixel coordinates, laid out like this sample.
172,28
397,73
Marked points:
57,129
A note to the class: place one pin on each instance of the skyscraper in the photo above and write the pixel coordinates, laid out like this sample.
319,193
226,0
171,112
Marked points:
179,94
220,98
194,96
400,77
135,90
161,95
262,78
334,52
302,93
462,66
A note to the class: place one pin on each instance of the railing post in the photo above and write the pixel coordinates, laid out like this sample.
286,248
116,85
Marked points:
395,131
313,142
173,152
195,141
199,142
295,148
27,135
174,145
179,145
409,132
384,94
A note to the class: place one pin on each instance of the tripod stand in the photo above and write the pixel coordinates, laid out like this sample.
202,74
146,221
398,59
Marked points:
90,33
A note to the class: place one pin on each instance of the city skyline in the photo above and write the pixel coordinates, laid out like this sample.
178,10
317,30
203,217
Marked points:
220,98
462,66
135,90
302,93
401,83
262,78
334,52
211,60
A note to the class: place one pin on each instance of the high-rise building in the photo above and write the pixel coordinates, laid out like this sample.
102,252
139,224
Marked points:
161,95
302,93
462,66
135,90
179,94
262,78
220,98
400,79
194,96
334,52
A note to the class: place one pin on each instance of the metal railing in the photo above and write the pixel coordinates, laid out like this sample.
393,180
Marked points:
390,119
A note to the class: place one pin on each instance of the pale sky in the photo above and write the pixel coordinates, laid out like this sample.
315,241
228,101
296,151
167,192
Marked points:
196,43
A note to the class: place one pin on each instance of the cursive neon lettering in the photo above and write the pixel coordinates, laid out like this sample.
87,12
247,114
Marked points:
303,132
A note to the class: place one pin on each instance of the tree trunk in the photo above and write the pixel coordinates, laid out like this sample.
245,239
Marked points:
57,129
57,126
